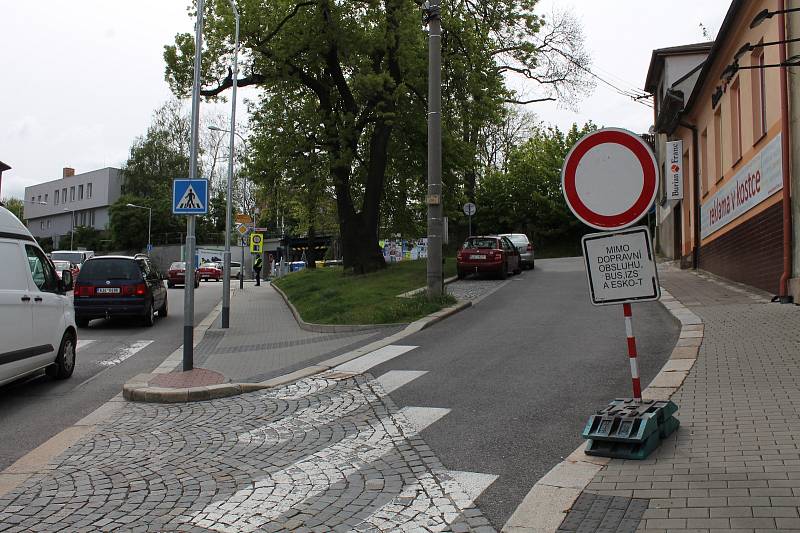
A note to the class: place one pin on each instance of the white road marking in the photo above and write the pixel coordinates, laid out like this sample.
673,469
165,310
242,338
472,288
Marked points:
372,359
422,417
125,352
248,509
83,343
394,379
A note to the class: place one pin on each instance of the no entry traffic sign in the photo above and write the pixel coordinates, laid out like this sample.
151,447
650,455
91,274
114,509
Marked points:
610,179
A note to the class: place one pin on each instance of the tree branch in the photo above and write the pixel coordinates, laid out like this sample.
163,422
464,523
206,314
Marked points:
523,102
253,79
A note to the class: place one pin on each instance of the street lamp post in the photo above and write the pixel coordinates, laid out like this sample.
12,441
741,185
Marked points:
226,272
432,11
226,279
149,221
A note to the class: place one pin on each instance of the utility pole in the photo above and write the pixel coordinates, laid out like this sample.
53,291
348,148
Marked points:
432,11
188,292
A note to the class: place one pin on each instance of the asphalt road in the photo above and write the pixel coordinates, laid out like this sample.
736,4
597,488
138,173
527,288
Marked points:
109,353
522,371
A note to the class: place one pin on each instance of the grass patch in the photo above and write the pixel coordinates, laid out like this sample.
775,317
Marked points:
329,296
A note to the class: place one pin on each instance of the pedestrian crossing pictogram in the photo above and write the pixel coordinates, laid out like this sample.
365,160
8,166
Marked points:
190,197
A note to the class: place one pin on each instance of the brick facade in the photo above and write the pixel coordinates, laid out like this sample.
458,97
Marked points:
751,253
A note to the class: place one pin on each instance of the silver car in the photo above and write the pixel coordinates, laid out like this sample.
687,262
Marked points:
524,246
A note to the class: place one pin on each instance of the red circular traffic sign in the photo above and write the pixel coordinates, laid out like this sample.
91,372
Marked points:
610,179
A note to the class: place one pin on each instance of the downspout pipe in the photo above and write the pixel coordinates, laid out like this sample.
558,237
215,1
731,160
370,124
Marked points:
696,203
787,206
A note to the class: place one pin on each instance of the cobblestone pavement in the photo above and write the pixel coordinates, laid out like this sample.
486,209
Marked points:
331,453
734,464
473,288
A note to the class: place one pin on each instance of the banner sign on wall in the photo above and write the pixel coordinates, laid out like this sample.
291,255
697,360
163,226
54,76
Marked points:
674,183
757,181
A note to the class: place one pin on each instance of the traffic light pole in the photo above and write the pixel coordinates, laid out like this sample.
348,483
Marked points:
188,292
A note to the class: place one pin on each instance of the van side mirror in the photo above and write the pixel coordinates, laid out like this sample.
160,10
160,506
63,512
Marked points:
66,280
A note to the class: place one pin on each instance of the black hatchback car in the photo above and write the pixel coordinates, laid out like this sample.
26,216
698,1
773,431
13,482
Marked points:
119,286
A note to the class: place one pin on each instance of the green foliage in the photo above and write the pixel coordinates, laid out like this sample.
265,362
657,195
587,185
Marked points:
343,112
328,296
527,197
15,205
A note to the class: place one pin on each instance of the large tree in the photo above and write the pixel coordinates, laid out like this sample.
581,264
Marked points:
356,72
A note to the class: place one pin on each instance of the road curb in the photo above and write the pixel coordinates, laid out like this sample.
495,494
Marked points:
545,506
138,389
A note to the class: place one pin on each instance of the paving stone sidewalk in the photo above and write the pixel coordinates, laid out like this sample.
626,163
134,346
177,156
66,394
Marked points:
264,339
734,464
324,454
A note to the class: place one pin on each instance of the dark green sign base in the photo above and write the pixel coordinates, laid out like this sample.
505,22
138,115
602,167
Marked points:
629,429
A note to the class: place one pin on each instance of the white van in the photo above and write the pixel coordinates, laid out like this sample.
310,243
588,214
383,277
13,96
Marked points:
76,257
37,322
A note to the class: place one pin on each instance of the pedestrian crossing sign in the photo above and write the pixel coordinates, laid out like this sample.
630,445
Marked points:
190,197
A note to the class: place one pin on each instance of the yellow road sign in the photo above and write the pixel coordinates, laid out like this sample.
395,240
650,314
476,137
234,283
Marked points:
242,229
256,243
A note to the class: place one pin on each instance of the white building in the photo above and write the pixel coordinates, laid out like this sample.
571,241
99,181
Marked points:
54,208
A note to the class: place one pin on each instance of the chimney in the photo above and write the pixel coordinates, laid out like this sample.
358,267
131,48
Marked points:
67,172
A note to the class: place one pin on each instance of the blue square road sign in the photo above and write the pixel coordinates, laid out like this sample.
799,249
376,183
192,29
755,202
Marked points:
190,197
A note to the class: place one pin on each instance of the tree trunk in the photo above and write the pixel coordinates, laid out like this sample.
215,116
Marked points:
360,249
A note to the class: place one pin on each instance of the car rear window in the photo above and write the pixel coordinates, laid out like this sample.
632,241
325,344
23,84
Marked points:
72,257
177,266
518,239
103,269
480,243
235,264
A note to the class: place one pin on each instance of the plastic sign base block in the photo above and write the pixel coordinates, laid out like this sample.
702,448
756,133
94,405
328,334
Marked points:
630,429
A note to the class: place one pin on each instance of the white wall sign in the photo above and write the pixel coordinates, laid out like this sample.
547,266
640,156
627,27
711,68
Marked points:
621,266
757,181
674,182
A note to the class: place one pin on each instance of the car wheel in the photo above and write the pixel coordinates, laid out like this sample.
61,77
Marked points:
170,285
82,322
503,274
518,270
164,309
532,265
149,319
65,360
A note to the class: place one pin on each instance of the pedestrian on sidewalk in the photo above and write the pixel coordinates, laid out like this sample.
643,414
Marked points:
257,264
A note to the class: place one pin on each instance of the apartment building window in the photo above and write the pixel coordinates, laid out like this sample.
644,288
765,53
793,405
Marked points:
55,196
83,218
48,223
75,218
80,192
39,198
72,194
759,94
718,144
736,122
88,190
45,197
41,224
33,199
704,162
91,218
64,194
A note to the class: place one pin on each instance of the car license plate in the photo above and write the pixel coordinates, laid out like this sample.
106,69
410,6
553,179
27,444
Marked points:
107,290
477,256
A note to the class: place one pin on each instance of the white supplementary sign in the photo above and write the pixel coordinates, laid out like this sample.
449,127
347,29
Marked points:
758,180
621,267
674,179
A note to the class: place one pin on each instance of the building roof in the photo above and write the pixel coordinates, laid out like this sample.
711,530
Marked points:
3,166
657,60
727,25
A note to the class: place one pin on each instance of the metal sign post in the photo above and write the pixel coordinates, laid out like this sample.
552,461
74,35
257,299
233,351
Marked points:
188,293
469,210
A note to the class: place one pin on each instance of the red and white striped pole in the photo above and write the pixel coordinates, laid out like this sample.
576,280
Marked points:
637,386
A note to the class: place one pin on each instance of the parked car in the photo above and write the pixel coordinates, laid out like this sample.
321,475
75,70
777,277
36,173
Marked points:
76,257
236,270
490,254
208,271
525,247
37,324
119,286
176,275
61,266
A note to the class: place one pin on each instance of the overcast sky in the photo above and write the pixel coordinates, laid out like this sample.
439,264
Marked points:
81,79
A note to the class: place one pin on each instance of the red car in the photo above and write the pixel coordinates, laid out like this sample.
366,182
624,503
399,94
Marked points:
176,275
208,271
490,254
66,265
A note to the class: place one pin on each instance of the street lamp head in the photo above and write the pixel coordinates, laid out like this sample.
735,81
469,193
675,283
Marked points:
746,47
761,17
130,205
729,72
215,128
